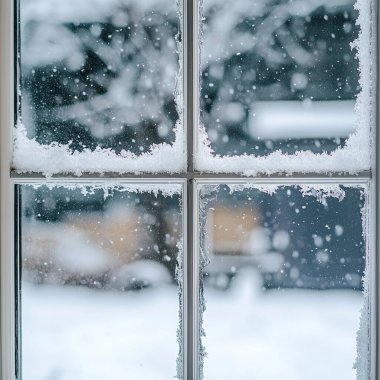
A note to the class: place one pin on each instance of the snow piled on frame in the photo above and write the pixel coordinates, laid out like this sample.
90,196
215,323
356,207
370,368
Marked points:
30,156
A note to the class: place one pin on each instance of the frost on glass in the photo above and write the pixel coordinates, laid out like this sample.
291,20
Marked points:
100,86
101,273
286,83
282,282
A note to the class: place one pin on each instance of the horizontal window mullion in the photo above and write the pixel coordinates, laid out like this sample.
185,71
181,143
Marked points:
334,176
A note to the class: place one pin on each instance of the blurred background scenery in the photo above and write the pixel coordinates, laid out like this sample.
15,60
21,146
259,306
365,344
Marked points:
283,272
278,75
99,294
279,280
100,73
274,74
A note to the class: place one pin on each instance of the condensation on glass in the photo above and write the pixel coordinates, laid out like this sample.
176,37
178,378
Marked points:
283,281
278,75
99,74
99,292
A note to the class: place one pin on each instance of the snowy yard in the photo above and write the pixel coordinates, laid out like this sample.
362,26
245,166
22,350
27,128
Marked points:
283,334
72,333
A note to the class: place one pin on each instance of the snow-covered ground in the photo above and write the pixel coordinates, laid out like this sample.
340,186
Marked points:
72,333
286,334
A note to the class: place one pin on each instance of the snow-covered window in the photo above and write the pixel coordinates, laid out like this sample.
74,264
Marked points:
286,86
189,189
100,89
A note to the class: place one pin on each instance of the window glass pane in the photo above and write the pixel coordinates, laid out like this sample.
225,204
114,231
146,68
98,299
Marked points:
99,292
99,75
283,77
282,281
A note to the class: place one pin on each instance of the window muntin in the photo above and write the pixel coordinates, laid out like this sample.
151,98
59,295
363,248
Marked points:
101,273
104,84
285,86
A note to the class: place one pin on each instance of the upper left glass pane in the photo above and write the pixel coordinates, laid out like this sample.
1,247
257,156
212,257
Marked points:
100,86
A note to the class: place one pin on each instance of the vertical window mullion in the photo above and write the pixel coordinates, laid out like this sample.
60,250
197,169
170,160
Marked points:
17,276
6,207
191,99
375,221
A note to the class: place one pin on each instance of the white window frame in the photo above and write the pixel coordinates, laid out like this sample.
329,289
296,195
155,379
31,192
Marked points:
191,180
